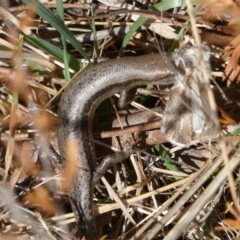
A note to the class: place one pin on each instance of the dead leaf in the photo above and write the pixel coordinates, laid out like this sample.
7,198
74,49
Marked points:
218,10
232,53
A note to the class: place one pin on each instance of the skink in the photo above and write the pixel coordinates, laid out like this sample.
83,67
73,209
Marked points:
76,110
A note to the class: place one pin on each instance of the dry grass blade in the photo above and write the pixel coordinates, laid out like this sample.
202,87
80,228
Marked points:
226,11
154,193
7,15
210,190
118,201
232,55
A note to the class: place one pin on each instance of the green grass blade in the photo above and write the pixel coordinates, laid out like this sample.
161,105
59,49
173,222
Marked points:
95,42
54,51
162,6
167,160
56,22
60,12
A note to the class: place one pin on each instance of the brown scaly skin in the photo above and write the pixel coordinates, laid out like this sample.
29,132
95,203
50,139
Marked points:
76,110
